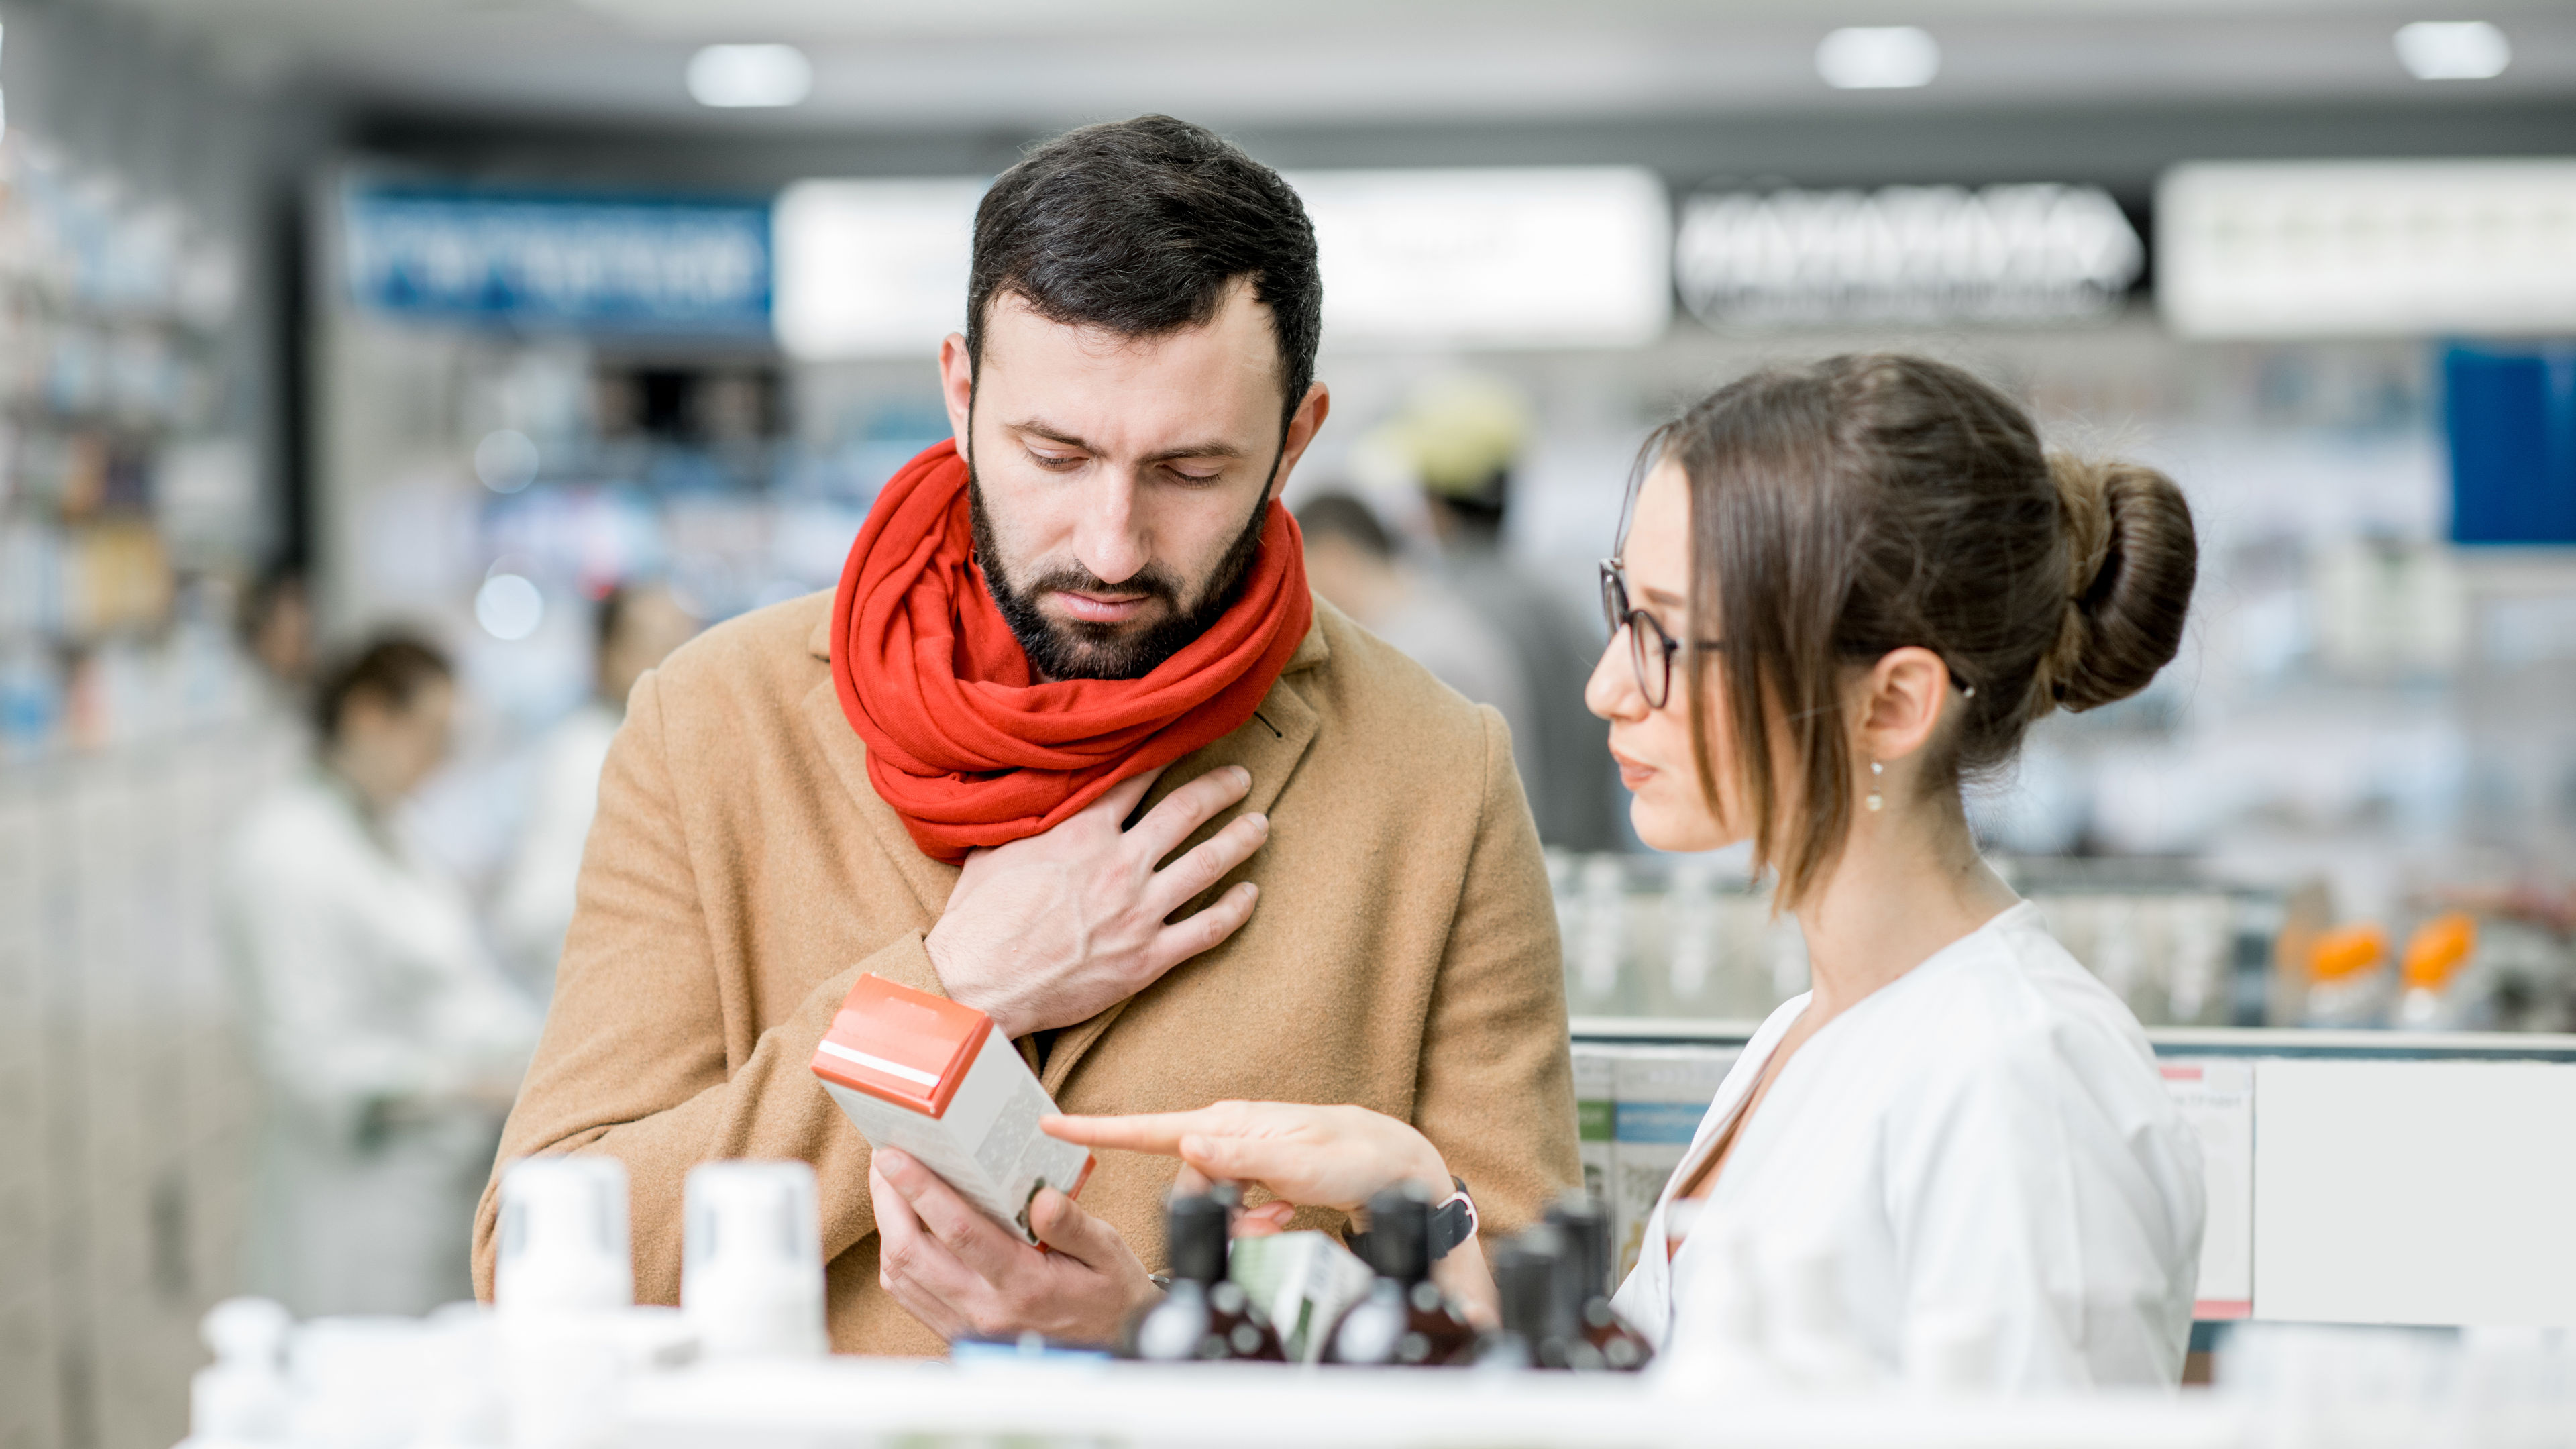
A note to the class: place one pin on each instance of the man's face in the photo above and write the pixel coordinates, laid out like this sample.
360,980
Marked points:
1120,483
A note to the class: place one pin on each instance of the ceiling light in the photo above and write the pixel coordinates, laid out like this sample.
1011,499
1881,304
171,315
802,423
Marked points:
2453,50
750,75
1878,57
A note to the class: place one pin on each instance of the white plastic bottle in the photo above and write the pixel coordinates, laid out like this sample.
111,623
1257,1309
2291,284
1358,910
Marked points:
563,1288
1812,1336
1715,1347
241,1399
563,1237
751,1279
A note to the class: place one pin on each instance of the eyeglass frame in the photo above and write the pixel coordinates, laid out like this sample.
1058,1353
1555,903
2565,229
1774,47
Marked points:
1620,613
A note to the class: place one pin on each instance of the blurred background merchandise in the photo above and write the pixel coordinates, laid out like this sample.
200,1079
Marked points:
469,316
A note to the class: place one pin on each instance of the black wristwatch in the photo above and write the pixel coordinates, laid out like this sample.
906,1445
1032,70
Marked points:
1453,1221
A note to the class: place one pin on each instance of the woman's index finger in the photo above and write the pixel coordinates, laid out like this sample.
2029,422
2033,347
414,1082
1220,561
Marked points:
1156,1132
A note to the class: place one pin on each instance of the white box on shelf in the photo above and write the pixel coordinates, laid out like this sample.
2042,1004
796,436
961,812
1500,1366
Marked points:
2216,1096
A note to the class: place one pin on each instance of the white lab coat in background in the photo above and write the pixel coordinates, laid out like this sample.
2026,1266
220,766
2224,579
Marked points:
535,908
1983,1144
372,1004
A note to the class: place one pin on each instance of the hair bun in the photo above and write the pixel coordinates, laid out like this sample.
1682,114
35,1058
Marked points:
2131,560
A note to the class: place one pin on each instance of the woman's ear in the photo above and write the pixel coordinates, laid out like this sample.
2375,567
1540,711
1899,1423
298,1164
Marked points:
1901,704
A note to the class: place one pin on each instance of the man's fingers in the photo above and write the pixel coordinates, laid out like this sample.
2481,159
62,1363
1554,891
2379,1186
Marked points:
1061,1224
975,1241
1205,931
909,1260
1188,808
1120,801
1175,884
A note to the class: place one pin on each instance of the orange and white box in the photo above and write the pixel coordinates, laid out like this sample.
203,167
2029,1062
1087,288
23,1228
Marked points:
928,1076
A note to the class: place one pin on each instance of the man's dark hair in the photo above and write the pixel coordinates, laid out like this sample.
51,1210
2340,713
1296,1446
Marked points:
1339,515
1138,227
392,669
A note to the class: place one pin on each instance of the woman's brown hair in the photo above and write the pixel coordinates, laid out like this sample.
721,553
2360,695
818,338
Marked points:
1874,501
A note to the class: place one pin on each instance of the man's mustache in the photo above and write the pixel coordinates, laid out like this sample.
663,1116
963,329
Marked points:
1151,581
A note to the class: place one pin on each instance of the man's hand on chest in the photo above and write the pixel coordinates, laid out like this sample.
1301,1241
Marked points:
1049,931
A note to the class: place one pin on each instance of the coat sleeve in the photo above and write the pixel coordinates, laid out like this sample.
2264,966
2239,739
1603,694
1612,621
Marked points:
633,1062
1496,1084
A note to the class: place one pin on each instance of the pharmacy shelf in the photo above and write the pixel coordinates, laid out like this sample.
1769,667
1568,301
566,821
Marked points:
2172,1041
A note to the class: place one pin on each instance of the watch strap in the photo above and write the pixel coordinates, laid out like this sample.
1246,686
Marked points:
1452,1221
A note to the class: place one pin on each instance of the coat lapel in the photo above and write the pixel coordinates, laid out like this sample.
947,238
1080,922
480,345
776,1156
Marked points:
1270,747
848,755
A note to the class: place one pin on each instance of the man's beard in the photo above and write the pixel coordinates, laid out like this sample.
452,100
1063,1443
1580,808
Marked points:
1080,649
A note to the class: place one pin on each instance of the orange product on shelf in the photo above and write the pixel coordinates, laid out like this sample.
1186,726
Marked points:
2435,951
2346,952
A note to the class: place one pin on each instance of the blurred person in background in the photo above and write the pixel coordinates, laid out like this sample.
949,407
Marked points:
638,626
277,633
1354,565
388,1042
1463,436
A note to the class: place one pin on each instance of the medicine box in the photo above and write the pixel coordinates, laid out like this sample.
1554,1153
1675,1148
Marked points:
1661,1095
1596,1102
930,1077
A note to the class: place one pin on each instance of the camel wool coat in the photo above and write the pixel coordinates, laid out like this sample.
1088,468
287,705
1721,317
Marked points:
742,873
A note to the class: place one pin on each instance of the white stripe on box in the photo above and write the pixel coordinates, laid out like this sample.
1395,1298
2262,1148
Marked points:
880,1064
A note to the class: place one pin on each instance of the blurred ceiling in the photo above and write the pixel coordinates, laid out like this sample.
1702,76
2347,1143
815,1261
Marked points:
1026,64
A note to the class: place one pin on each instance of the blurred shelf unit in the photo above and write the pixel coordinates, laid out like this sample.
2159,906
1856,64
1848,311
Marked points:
127,1101
2354,1177
1676,938
129,503
584,388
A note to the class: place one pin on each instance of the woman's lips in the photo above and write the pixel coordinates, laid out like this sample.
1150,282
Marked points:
1631,773
1098,609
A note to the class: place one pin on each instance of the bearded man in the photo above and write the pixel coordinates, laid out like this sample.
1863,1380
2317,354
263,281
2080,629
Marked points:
1074,745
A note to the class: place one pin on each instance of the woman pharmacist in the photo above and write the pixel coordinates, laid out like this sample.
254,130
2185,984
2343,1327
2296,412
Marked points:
1846,589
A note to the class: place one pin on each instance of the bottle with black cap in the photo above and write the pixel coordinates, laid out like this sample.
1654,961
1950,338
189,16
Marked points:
1586,1226
1203,1315
1525,1273
1405,1320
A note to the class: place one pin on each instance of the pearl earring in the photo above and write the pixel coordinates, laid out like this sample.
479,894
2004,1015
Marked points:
1874,800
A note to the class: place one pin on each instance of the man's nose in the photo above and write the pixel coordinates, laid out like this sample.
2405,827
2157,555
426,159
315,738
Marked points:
1110,537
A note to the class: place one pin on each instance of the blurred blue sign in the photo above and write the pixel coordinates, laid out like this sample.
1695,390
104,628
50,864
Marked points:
2511,416
522,259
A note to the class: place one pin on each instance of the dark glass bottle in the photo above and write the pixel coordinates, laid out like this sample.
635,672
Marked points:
1205,1315
1404,1320
1586,1226
1525,1285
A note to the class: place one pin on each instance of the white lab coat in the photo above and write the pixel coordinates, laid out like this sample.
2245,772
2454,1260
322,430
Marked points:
535,908
372,1006
1985,1141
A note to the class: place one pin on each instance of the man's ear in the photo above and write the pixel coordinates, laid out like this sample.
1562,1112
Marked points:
1303,424
1904,694
957,387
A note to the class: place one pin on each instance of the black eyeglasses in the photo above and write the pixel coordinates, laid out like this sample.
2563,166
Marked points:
1650,649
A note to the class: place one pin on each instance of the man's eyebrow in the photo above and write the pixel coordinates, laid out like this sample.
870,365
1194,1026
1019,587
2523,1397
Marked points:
1212,448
